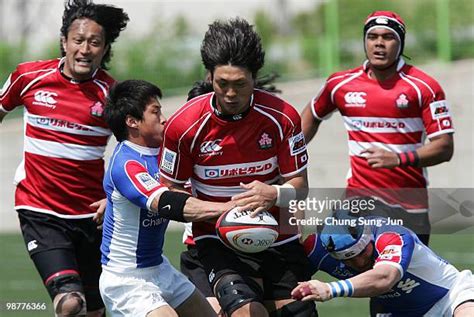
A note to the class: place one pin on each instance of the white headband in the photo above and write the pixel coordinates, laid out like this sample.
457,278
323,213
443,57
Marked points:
355,249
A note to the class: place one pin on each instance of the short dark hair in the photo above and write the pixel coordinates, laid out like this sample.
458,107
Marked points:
112,19
129,97
232,43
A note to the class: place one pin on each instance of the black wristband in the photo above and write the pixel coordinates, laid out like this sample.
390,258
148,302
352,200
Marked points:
171,205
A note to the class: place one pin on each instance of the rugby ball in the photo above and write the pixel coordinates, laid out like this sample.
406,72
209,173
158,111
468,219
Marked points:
237,230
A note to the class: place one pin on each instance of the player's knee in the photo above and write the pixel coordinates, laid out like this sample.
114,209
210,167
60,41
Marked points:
67,294
70,304
296,309
63,283
234,291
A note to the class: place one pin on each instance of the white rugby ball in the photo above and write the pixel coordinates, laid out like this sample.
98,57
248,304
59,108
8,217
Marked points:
237,230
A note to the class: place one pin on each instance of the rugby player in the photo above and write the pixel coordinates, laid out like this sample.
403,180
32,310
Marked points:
137,279
388,263
244,144
189,260
388,108
62,169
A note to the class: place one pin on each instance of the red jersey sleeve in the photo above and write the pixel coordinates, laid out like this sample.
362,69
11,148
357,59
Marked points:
292,155
309,244
322,104
435,110
176,163
396,249
10,95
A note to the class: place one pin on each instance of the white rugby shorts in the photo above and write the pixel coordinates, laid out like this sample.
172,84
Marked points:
143,290
461,291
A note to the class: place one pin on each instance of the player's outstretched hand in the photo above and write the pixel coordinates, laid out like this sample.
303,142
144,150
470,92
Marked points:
257,197
99,206
311,290
380,158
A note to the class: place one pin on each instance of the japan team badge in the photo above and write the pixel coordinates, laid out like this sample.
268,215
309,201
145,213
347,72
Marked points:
402,102
97,109
265,141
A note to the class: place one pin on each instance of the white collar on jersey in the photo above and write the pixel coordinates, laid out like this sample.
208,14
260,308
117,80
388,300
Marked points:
401,63
142,149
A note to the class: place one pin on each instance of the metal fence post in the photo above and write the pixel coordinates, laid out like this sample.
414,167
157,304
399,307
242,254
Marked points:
444,37
331,37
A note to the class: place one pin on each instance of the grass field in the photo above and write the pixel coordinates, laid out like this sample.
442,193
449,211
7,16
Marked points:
20,283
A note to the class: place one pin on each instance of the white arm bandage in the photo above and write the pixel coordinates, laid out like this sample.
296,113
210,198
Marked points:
285,194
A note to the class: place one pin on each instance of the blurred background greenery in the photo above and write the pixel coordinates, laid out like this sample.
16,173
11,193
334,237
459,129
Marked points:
311,43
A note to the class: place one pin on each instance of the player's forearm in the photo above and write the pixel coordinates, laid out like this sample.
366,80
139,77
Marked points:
374,282
197,210
182,207
309,124
300,183
440,149
294,188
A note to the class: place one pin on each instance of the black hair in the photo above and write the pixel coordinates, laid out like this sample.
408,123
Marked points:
112,19
232,43
129,97
202,87
199,88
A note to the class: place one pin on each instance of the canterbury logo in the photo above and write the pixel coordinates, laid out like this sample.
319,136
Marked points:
211,146
381,21
33,244
408,285
355,98
212,276
45,97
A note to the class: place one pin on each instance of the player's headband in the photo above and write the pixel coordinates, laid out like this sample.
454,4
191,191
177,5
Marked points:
353,249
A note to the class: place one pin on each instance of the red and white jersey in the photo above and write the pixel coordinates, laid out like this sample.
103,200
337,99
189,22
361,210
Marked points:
396,115
217,155
65,138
